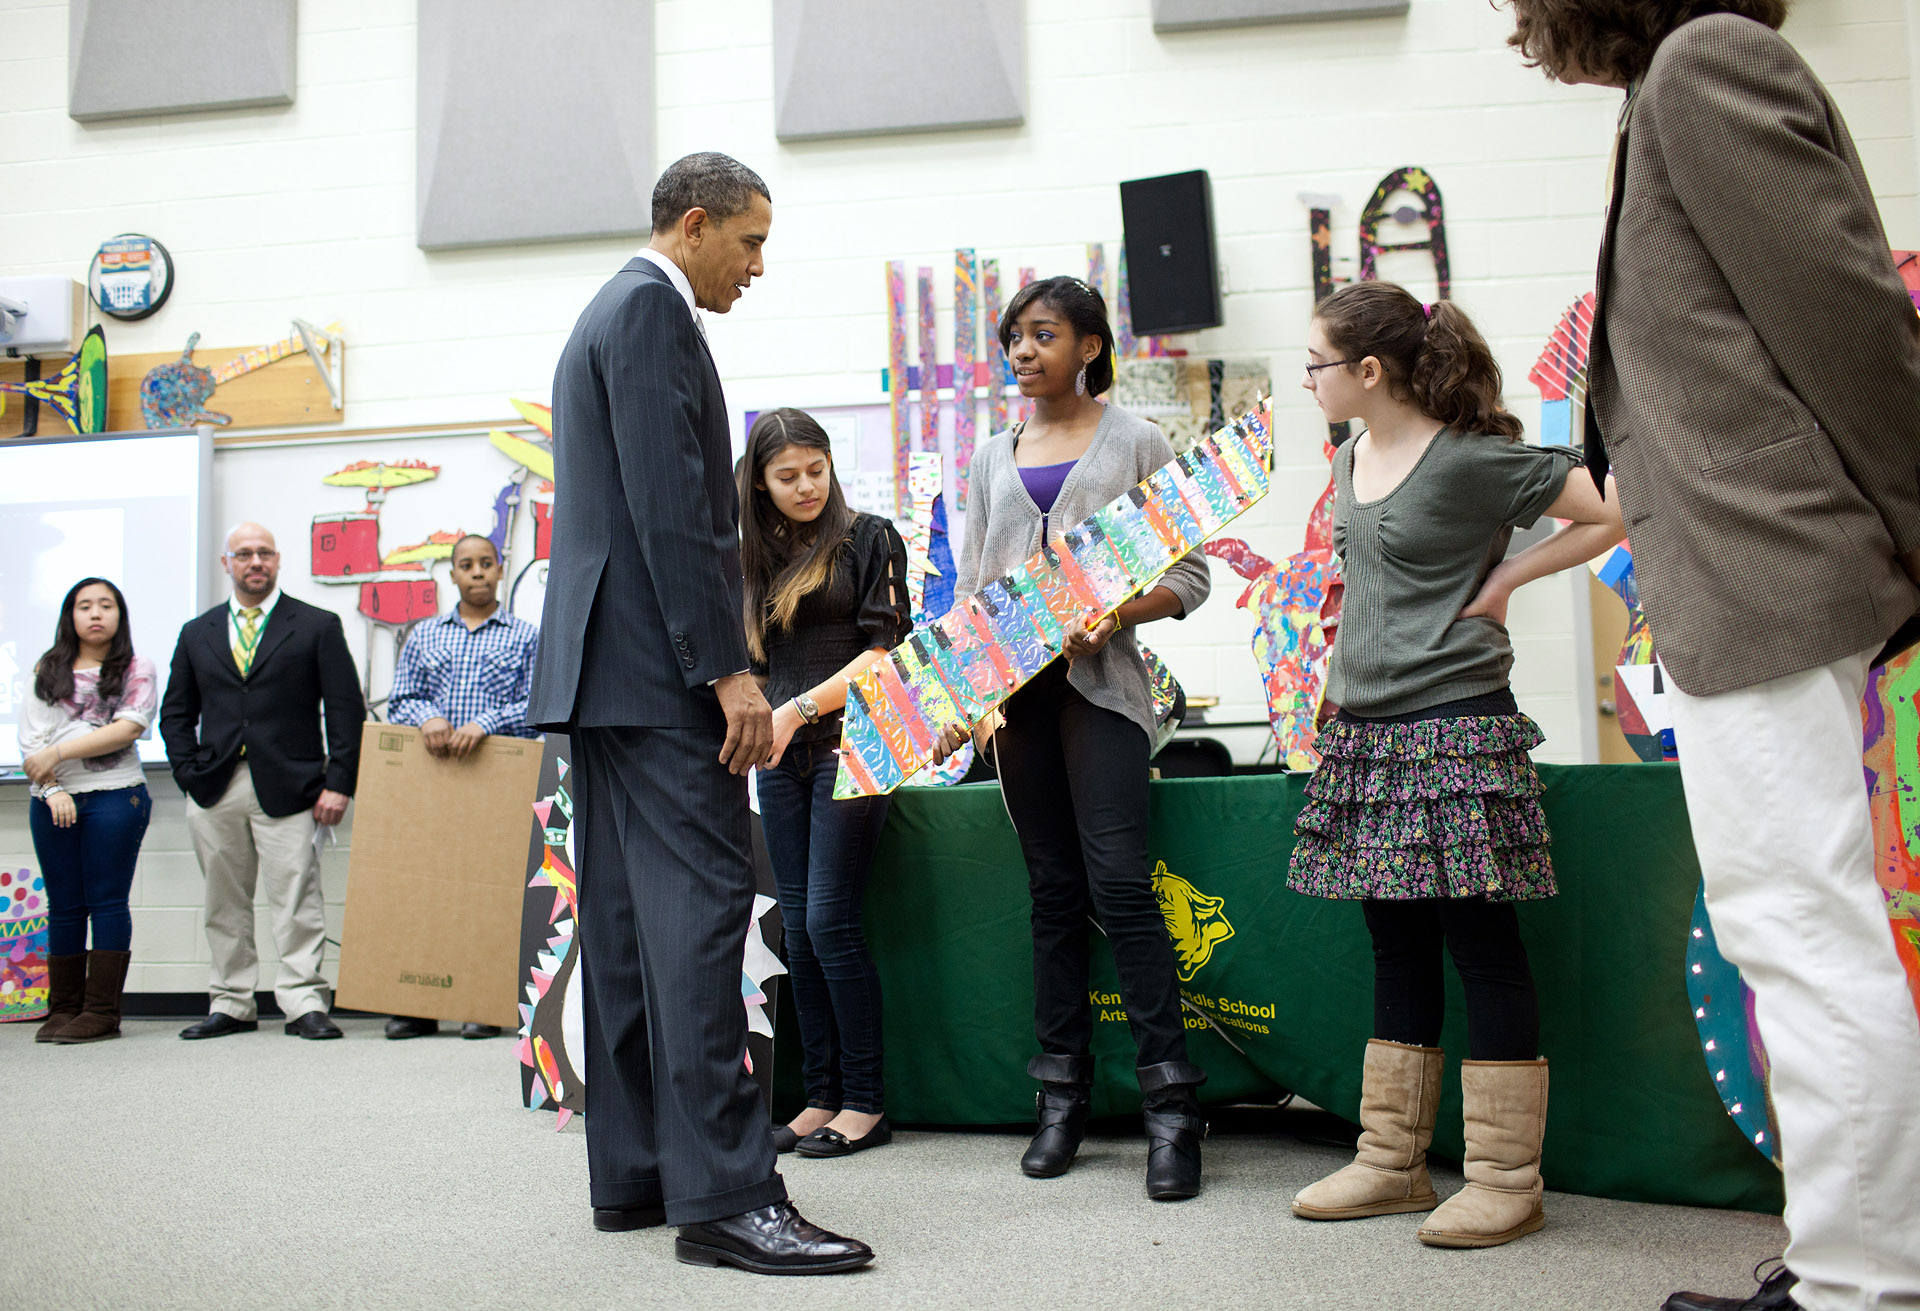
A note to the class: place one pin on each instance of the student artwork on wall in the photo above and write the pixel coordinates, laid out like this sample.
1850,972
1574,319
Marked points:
78,392
964,664
175,394
530,485
1892,761
23,945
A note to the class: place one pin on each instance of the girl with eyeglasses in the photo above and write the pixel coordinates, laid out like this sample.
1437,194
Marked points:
1425,807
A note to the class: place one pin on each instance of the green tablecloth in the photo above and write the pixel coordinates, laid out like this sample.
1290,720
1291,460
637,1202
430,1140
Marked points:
1287,979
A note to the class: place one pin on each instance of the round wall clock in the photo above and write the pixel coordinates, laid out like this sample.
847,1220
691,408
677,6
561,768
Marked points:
131,276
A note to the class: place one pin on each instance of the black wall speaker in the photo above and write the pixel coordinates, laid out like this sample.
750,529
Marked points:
1172,277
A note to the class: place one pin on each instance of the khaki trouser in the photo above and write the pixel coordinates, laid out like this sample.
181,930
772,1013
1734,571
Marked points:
237,843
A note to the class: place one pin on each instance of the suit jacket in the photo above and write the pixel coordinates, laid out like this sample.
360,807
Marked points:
1758,388
643,605
301,668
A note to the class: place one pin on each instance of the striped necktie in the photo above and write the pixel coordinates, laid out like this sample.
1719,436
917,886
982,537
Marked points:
249,639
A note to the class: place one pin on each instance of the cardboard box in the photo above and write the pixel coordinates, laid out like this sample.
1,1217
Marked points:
437,878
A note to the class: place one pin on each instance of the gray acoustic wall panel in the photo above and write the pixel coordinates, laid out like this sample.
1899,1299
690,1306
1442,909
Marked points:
1188,15
536,121
133,57
859,67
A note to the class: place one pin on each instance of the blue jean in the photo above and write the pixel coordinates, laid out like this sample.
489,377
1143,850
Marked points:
88,867
821,851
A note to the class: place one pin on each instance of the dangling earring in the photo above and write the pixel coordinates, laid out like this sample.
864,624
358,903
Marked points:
1080,382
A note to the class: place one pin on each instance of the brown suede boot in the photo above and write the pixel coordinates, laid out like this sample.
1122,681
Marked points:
1398,1093
66,981
1506,1119
100,1018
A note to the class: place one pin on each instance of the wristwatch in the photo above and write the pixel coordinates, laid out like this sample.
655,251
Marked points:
809,709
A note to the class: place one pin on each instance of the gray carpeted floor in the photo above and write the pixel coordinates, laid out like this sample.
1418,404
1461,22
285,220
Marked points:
260,1171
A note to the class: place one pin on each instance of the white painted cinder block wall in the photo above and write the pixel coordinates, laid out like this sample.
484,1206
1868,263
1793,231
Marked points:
309,210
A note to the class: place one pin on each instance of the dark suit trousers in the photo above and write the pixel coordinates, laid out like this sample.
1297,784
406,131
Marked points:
666,896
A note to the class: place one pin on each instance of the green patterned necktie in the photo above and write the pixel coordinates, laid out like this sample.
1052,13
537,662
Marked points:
249,639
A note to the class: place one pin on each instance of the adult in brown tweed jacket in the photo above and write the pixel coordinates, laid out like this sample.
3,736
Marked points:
1756,386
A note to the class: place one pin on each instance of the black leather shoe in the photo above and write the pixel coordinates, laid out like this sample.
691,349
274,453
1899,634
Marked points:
773,1240
831,1142
1063,1109
784,1139
472,1030
1173,1154
219,1025
1775,1295
314,1024
624,1219
409,1026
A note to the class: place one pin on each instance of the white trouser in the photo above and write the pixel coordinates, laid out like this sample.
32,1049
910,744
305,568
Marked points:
237,843
1779,811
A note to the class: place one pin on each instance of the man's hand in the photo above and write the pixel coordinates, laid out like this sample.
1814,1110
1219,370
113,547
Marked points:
39,765
749,723
465,740
331,808
434,734
64,811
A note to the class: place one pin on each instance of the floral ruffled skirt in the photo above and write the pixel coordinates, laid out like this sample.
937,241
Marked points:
1432,808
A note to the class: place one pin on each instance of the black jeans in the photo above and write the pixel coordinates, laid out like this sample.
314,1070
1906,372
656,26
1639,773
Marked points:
1074,777
1409,996
821,851
88,867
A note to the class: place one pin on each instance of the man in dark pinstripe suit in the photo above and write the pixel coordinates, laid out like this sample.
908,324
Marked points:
1756,382
643,662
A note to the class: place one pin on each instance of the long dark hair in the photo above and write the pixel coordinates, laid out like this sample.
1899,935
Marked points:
1082,307
1434,356
1614,39
782,561
53,676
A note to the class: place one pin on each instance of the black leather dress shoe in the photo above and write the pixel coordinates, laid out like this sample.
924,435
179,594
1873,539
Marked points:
411,1026
1775,1295
624,1219
314,1024
773,1240
831,1142
219,1025
472,1030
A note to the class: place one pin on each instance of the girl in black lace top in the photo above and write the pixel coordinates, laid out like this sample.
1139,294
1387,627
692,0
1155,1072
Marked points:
826,595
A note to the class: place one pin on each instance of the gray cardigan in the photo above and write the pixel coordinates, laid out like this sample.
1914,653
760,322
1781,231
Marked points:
1003,531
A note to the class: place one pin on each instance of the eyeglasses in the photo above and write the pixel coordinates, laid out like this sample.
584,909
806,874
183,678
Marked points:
1330,364
248,557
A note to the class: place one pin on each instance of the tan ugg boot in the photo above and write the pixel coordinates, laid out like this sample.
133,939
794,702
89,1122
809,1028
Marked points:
1398,1092
66,981
1506,1119
100,1018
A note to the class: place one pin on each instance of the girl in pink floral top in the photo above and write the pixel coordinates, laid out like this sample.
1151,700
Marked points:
92,699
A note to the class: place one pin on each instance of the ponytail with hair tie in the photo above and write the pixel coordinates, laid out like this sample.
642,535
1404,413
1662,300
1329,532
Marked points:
1433,354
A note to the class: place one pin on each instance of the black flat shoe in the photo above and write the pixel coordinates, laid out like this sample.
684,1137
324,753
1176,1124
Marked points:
313,1025
1775,1295
831,1142
219,1025
773,1240
625,1219
410,1026
784,1139
472,1030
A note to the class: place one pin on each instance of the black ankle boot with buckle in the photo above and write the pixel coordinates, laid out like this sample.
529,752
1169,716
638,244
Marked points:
1064,1102
1171,1114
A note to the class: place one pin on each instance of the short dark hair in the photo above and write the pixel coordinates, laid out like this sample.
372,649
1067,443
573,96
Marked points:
1085,309
474,537
719,184
1614,39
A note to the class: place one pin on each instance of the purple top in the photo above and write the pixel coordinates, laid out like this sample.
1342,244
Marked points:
1044,481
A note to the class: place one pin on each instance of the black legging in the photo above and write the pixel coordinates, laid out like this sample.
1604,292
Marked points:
1409,995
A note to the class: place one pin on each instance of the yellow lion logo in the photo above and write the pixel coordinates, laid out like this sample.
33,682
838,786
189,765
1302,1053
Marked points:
1194,921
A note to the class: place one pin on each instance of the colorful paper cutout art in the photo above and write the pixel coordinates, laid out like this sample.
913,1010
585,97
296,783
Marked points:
991,643
23,945
552,1021
1561,375
1892,759
1729,1038
78,391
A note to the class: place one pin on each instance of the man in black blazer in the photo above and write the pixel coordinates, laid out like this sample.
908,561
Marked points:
243,726
643,663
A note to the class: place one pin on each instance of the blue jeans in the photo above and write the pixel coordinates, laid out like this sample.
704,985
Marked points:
88,867
821,850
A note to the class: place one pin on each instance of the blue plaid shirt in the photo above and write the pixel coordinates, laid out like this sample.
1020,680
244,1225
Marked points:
479,677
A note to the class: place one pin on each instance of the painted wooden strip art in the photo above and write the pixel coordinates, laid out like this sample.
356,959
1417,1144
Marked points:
1124,344
929,368
966,326
989,644
897,377
999,367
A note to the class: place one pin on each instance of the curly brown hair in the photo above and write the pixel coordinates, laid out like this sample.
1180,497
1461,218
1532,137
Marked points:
1613,40
1433,354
